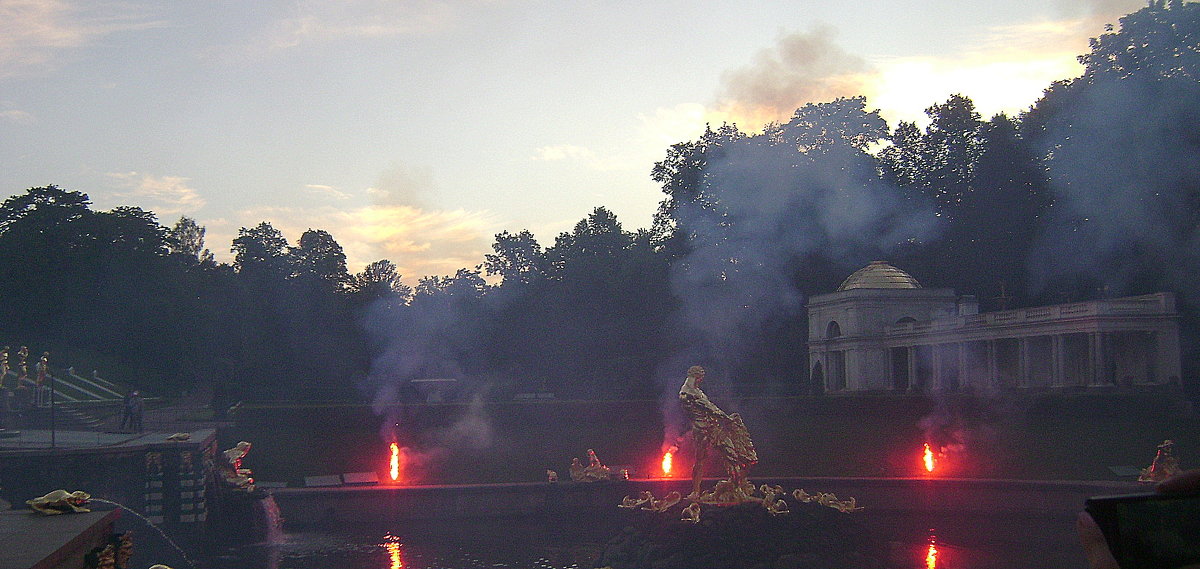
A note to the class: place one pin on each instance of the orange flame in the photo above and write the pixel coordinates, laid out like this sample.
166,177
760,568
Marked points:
928,458
394,465
931,556
667,462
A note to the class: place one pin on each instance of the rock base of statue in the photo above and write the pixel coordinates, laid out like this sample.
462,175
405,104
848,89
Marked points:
744,536
235,517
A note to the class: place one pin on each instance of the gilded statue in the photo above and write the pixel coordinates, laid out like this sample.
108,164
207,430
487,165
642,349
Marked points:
22,367
595,471
713,430
231,470
724,435
3,365
1165,464
61,502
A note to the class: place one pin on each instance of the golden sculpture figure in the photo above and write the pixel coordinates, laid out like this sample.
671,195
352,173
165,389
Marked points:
124,549
595,471
630,502
1165,464
3,365
22,368
231,471
60,502
714,430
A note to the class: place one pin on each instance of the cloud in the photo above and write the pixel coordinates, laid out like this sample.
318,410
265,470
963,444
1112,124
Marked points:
1004,70
403,185
320,22
322,189
34,33
802,67
668,125
563,152
1101,11
166,195
421,242
17,116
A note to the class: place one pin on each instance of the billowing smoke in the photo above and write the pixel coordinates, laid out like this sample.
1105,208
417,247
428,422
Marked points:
802,67
1122,158
760,218
417,348
766,209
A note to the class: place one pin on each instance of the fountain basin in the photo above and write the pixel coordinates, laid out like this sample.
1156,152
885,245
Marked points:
319,506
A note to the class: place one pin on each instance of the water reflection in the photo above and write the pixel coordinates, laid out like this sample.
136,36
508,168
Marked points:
931,553
391,543
910,540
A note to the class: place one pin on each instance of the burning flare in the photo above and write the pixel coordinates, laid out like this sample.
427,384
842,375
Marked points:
931,556
394,464
668,461
929,466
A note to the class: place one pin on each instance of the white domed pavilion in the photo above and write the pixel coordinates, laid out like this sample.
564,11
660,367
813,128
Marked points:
882,331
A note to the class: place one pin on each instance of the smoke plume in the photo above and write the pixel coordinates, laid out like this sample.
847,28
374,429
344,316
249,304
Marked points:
802,67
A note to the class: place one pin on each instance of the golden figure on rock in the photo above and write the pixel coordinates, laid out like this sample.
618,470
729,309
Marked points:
725,434
713,430
231,470
593,472
61,502
1165,464
646,497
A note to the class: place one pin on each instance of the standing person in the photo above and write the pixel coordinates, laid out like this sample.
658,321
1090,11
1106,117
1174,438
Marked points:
138,408
126,411
41,368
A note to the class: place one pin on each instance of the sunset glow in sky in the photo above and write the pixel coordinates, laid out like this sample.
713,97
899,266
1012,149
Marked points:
417,130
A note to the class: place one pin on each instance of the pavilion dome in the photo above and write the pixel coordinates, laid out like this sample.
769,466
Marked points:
879,274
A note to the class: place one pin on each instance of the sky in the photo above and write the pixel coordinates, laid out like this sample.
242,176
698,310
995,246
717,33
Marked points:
415,131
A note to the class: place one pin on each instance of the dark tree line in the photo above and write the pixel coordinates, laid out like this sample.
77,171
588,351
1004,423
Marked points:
1093,192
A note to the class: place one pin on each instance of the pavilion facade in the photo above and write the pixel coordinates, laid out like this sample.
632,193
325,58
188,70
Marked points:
882,331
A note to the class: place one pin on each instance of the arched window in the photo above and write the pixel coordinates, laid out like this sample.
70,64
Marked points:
833,330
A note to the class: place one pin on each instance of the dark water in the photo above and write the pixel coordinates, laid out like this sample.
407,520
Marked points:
911,540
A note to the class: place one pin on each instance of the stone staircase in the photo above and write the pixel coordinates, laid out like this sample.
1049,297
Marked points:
66,418
80,403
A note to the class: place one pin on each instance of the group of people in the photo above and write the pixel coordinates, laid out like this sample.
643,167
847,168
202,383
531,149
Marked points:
21,395
132,410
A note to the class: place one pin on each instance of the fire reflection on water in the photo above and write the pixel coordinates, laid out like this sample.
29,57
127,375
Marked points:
391,544
931,553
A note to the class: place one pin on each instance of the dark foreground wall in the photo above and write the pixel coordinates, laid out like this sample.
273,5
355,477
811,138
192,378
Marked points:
163,480
1035,437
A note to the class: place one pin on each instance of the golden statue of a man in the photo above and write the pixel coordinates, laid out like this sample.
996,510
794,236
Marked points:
715,430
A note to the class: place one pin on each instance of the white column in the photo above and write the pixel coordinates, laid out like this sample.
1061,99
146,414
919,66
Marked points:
1023,362
993,368
1057,368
